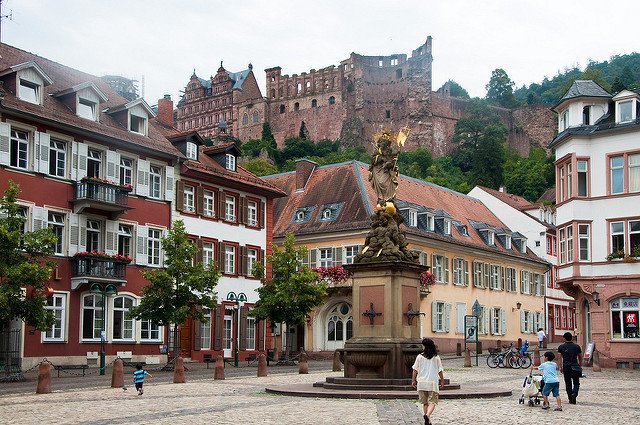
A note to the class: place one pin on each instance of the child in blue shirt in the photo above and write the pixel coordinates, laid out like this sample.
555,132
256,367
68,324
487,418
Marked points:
138,377
551,381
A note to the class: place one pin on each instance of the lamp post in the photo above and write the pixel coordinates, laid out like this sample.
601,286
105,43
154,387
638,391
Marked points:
237,298
104,290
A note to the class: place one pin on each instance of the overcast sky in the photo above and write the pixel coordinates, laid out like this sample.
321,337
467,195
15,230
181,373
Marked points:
164,40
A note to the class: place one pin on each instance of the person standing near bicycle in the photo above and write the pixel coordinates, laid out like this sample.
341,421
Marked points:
571,369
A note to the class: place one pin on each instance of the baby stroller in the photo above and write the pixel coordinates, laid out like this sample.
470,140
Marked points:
531,389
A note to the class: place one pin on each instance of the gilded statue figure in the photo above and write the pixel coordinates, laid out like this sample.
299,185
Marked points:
383,171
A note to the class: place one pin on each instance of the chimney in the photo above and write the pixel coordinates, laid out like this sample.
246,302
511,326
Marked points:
165,110
304,169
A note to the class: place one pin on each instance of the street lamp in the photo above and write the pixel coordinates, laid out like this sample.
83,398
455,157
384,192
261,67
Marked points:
237,298
106,290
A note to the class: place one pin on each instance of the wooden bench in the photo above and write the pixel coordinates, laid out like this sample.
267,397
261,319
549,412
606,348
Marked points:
71,367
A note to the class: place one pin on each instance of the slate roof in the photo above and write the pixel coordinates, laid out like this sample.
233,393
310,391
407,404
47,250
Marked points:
347,183
54,111
585,88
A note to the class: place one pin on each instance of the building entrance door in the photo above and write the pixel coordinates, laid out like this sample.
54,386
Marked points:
227,351
338,326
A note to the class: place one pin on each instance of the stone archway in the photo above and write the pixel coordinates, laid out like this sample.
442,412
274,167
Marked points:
333,325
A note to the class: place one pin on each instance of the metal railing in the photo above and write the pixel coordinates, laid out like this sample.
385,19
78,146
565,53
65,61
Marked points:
101,192
99,267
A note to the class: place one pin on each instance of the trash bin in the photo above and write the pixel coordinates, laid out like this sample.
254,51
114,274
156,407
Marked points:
269,356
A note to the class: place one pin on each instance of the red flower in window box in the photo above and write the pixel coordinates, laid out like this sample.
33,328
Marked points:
335,274
427,279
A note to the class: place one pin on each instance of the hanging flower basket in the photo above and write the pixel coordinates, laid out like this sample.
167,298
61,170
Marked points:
335,274
427,279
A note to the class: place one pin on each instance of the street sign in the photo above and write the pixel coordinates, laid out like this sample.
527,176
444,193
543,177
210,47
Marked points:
471,329
477,309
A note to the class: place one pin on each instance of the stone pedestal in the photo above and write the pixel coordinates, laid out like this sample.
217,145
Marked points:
386,322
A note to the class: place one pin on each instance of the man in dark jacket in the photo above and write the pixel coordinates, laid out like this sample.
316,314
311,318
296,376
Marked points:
571,361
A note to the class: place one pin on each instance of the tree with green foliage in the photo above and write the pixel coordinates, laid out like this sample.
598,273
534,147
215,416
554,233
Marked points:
444,173
267,135
500,89
480,137
293,290
260,167
24,271
456,90
415,163
530,176
181,289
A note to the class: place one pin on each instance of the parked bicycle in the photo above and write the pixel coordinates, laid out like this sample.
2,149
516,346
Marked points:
509,357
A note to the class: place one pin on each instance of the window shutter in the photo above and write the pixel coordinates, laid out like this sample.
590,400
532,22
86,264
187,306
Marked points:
434,316
243,261
486,275
197,335
221,265
522,321
113,166
242,345
142,185
5,143
242,210
142,236
42,142
530,327
260,331
217,333
531,284
263,217
466,273
337,256
262,257
492,312
503,327
82,240
111,242
169,189
39,218
74,234
180,195
502,277
222,215
447,316
446,269
199,255
199,199
80,151
485,318
313,254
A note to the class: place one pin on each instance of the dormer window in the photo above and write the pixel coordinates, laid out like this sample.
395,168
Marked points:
446,226
300,216
564,120
625,111
430,223
29,91
413,218
192,151
326,214
137,124
87,109
230,162
507,242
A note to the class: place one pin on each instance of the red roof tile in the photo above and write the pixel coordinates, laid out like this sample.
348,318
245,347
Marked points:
515,201
54,110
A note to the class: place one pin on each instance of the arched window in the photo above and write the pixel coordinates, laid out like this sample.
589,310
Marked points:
282,109
256,117
245,119
300,216
273,93
398,73
296,106
123,326
314,103
92,314
340,323
326,214
332,100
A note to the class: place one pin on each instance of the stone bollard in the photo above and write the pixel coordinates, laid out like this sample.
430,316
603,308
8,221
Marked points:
276,356
262,365
219,369
544,342
459,349
303,364
337,366
467,358
44,378
117,376
536,356
178,371
479,347
596,361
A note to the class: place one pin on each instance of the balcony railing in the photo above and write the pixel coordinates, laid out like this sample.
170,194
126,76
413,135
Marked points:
101,195
104,268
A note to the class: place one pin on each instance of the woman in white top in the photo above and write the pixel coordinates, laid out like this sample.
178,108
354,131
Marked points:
426,371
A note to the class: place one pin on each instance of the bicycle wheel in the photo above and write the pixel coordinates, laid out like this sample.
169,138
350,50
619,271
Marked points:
492,361
510,360
525,361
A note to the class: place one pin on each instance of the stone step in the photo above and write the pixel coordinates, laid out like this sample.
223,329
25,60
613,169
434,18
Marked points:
334,386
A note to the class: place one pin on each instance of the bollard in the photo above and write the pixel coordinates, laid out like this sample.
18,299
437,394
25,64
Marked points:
303,364
178,371
44,378
596,361
459,349
337,366
467,358
219,369
519,343
262,365
544,342
479,347
536,356
117,376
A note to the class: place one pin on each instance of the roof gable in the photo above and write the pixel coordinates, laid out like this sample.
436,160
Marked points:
28,65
